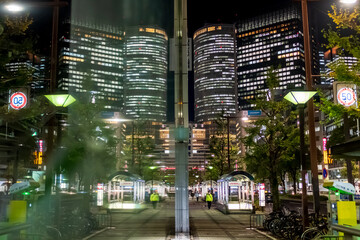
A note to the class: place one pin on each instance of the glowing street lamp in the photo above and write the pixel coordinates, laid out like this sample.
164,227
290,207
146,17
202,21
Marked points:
61,100
348,1
300,98
13,7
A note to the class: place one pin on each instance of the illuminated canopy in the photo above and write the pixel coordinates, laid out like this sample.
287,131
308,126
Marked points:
299,97
61,100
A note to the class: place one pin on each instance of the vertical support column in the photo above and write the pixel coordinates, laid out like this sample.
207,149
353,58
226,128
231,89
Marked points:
310,107
304,202
252,193
181,119
109,191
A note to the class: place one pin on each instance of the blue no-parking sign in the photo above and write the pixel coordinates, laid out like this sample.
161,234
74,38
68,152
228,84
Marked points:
325,173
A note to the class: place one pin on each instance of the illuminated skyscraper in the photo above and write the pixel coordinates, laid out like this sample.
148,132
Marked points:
146,73
91,58
271,40
214,72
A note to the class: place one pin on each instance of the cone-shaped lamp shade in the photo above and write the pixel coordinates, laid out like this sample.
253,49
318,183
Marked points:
299,97
61,100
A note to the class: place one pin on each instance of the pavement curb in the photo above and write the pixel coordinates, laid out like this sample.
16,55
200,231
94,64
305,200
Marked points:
265,234
96,233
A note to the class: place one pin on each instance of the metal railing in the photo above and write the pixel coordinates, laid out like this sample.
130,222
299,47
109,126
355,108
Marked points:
13,230
349,232
256,220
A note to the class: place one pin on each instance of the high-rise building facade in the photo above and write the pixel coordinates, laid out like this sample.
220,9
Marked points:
146,74
214,72
271,40
91,58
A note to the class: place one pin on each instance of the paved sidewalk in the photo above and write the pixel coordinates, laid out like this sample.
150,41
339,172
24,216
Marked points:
158,224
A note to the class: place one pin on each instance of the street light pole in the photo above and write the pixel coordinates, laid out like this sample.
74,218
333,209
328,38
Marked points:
310,107
304,202
54,45
300,98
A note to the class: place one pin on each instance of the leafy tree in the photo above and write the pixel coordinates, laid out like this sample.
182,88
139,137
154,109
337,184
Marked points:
345,38
219,149
14,43
87,147
139,150
272,139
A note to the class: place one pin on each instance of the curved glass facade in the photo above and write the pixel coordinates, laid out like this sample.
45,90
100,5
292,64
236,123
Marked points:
214,72
146,72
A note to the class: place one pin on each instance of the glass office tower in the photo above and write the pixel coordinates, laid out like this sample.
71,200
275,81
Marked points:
271,40
214,72
91,59
146,73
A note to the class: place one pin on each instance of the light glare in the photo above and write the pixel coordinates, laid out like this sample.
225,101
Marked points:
61,100
299,97
348,1
14,7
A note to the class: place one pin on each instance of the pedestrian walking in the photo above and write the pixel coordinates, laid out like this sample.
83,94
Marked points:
209,199
197,196
154,198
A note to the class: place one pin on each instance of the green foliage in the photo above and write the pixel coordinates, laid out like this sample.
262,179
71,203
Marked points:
139,151
14,44
87,148
345,39
219,149
273,139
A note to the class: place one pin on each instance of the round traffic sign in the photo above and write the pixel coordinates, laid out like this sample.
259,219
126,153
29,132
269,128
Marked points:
346,96
18,100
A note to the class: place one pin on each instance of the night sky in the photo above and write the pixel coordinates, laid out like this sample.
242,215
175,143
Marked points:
159,13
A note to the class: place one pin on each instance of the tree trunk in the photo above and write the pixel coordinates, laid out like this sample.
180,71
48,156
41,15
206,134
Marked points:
274,186
293,175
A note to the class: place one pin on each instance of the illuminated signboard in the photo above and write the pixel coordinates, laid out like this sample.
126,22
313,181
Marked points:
324,144
39,154
100,194
262,194
232,184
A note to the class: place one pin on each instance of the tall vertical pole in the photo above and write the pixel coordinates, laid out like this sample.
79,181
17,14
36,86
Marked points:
304,200
52,86
228,142
54,45
182,228
310,107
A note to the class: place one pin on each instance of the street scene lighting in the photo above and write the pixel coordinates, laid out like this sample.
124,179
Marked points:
299,97
348,1
13,7
61,100
167,108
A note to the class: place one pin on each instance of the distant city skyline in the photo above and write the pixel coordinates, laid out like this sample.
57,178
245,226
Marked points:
159,13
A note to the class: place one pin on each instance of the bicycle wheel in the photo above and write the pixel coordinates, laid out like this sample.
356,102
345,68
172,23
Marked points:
274,225
310,234
288,230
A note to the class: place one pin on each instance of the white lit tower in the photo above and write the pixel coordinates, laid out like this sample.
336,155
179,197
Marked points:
146,73
91,59
271,40
215,72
